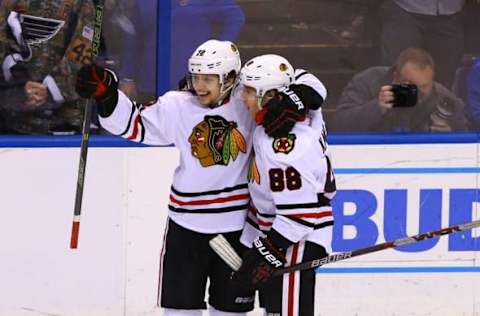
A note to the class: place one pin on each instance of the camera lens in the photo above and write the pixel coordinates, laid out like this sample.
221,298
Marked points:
405,95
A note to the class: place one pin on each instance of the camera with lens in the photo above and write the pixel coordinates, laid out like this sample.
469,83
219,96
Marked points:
404,95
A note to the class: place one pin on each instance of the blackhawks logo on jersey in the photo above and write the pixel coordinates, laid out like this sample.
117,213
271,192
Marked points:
253,174
214,140
284,144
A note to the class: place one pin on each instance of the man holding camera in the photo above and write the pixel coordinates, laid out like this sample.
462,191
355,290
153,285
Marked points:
402,98
435,25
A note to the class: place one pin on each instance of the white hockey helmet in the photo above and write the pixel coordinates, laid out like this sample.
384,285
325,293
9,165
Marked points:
216,58
267,72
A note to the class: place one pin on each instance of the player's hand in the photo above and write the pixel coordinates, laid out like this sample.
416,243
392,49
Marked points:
259,263
94,81
36,93
280,114
385,98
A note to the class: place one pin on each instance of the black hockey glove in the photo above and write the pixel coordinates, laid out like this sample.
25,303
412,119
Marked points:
289,106
96,82
259,263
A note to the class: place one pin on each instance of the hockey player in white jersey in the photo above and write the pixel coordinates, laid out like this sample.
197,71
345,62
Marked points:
212,129
291,183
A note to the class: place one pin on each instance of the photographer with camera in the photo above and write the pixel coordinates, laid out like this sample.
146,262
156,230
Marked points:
434,25
402,98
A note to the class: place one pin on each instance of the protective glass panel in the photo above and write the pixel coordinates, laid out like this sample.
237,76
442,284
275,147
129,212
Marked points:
351,45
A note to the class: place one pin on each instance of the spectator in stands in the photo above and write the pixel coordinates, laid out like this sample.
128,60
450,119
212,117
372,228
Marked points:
193,22
366,103
472,106
37,93
435,25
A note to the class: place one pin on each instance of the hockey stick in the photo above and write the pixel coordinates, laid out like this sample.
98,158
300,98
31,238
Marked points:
223,248
85,133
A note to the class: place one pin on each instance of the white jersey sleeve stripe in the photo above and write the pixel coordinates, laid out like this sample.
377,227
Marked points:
259,221
315,215
301,205
322,202
306,78
258,226
133,134
142,127
129,123
292,229
307,223
300,73
253,210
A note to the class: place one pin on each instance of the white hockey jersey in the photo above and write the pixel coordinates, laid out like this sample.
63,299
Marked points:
291,183
214,146
209,193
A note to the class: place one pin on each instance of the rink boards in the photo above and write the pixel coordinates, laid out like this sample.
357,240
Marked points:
385,192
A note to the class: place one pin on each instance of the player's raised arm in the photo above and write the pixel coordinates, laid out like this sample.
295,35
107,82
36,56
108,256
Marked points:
150,123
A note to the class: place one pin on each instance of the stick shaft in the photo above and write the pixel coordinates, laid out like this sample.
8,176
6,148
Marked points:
386,245
87,116
81,175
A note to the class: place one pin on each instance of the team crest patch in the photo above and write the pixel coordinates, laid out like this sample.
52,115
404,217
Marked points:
253,174
36,29
284,144
215,140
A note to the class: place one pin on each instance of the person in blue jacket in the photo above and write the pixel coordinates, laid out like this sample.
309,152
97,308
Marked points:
192,23
472,106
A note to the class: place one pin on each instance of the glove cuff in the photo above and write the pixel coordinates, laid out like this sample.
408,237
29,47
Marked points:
269,253
278,240
310,97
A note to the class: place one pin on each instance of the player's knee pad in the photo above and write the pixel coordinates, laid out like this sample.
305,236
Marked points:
182,312
215,312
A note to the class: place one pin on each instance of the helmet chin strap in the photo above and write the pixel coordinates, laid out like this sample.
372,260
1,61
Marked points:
260,96
223,94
